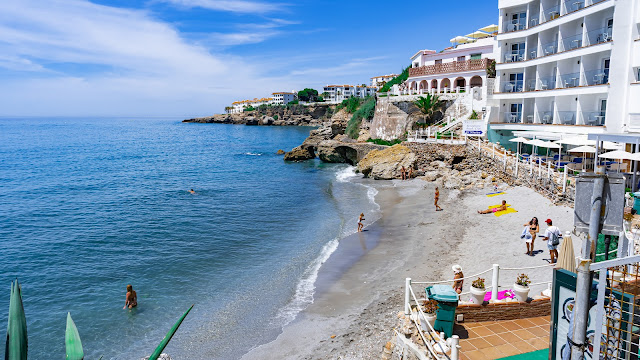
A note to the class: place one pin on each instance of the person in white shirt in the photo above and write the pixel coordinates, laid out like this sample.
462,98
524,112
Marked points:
550,234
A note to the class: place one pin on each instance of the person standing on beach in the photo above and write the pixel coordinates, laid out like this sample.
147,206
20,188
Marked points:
457,274
403,173
436,198
360,224
534,228
131,299
552,236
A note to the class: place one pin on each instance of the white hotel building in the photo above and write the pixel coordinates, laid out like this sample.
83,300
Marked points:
566,67
379,81
282,98
452,70
338,93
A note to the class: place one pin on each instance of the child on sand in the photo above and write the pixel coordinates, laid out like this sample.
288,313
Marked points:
457,284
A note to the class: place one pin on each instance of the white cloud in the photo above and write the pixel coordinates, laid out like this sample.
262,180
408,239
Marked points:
238,6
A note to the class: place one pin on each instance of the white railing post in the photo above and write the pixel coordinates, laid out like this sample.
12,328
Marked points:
564,179
548,169
517,163
505,160
495,277
407,296
531,158
455,347
493,150
539,170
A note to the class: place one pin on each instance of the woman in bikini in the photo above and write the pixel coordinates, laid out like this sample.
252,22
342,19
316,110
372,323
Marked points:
360,224
495,209
132,298
534,228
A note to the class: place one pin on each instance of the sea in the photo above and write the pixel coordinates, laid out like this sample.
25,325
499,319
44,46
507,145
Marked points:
89,205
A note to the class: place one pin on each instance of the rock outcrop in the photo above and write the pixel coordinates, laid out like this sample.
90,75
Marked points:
300,153
393,119
296,115
334,151
385,164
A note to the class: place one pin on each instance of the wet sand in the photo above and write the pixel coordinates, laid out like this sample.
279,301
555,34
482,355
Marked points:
360,288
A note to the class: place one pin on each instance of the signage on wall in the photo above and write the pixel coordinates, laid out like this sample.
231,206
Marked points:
474,127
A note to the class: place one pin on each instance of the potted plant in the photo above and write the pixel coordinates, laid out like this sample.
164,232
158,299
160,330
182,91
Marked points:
521,287
477,291
430,307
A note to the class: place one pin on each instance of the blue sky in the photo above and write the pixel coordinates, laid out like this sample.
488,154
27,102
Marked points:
192,57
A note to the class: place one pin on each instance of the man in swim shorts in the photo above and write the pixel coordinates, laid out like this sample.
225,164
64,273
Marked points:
495,209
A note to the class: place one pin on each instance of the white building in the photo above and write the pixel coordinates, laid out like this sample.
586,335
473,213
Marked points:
338,93
379,81
239,106
283,98
569,67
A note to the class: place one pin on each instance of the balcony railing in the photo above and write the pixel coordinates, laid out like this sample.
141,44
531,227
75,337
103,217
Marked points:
570,6
546,117
530,85
515,25
549,48
547,83
595,77
512,117
570,80
514,56
450,67
550,14
593,118
567,117
571,42
598,36
511,86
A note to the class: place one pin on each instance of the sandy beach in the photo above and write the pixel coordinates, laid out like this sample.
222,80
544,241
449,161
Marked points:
360,288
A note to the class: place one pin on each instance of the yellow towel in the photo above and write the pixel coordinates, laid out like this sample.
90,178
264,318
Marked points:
496,194
508,211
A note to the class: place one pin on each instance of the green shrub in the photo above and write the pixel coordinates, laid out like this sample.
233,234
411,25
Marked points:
474,115
275,117
366,111
248,108
351,104
385,142
404,75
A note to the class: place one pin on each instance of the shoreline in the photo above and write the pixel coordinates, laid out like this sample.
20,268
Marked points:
356,301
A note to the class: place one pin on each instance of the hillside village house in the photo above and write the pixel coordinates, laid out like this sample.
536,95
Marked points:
283,98
379,81
455,69
338,93
570,67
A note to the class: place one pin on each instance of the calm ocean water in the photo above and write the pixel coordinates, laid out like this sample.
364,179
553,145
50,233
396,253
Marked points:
88,206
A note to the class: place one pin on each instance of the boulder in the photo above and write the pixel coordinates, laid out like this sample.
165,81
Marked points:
251,121
431,175
386,164
280,152
334,151
452,182
267,120
301,152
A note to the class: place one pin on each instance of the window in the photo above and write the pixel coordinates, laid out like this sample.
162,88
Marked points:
605,70
439,61
461,58
637,73
476,56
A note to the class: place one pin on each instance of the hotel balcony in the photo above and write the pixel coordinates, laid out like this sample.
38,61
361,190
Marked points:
570,117
450,67
562,81
547,14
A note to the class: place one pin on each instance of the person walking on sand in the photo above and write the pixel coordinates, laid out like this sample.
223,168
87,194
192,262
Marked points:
534,228
552,236
436,198
360,224
457,274
502,207
403,173
131,299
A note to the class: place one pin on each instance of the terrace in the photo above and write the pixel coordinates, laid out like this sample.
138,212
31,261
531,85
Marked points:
450,67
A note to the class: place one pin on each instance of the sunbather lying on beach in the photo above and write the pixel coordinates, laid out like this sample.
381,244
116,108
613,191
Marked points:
495,209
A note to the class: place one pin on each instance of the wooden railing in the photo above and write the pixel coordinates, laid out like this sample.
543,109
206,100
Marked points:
450,67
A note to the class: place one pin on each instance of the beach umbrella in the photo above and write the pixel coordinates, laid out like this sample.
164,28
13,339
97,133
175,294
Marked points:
584,150
618,155
519,140
608,145
576,140
490,28
460,40
566,256
478,35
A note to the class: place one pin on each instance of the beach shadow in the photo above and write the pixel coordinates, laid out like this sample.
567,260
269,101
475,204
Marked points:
461,331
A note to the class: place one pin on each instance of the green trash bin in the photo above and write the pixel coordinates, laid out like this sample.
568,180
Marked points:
636,202
447,300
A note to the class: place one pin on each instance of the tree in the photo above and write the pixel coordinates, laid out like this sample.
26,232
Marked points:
307,94
429,106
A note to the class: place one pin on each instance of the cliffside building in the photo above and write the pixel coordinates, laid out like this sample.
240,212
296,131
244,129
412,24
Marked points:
379,81
567,67
283,98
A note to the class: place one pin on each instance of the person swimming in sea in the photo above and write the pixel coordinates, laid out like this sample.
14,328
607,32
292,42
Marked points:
131,299
192,192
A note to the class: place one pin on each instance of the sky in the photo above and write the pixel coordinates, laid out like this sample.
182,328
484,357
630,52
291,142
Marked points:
194,57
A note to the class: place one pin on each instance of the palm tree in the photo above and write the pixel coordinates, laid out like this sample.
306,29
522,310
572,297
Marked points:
429,105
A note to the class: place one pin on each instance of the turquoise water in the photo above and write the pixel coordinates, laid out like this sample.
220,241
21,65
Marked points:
88,206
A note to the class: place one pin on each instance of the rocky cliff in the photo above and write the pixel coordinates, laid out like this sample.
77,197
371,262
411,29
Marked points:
393,119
